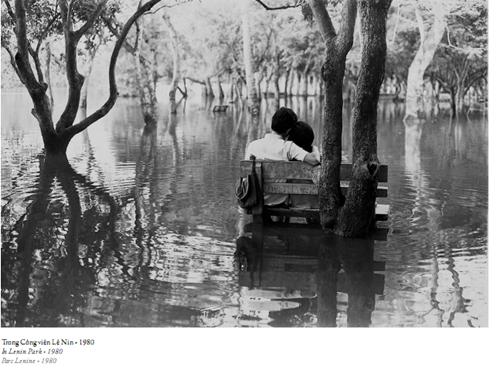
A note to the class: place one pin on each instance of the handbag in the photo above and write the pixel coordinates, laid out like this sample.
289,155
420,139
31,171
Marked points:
247,189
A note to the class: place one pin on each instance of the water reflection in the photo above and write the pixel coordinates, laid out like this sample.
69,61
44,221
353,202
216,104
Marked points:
45,262
300,276
141,229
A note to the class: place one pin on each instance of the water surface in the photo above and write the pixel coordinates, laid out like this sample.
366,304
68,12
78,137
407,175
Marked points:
143,229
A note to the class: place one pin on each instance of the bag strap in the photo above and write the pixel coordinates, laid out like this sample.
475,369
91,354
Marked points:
252,157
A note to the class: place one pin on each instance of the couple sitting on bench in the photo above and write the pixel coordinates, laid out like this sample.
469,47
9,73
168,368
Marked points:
290,140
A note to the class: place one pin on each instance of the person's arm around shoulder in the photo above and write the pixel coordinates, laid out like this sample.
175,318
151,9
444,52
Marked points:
316,153
295,152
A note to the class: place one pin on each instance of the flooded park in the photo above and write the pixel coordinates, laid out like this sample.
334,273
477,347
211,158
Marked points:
144,230
123,127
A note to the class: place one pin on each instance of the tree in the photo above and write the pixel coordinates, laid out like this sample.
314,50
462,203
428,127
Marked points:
337,46
460,62
430,37
253,101
57,137
176,64
357,215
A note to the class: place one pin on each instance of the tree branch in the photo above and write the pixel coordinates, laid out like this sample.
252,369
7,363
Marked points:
168,6
37,63
129,48
323,19
12,62
102,111
346,31
10,11
75,79
267,7
22,56
46,30
82,30
66,10
202,82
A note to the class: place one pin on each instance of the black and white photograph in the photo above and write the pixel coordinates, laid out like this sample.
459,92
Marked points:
259,179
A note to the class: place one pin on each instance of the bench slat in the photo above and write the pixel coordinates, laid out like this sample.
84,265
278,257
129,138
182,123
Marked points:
382,211
300,170
310,189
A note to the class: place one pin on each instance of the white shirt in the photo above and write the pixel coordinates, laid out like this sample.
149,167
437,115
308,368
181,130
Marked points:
274,148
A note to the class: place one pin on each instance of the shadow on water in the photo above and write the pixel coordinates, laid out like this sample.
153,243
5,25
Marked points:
300,276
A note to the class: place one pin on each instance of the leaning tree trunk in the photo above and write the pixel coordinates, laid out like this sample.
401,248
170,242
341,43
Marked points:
429,40
357,216
56,138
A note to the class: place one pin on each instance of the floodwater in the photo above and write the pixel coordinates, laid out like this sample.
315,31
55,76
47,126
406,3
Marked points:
143,229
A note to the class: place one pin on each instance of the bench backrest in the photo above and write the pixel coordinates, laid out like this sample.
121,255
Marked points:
293,170
268,171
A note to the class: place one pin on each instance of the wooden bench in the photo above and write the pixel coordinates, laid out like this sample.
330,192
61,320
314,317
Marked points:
268,171
220,108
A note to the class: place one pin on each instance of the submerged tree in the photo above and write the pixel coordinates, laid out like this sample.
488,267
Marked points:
253,100
56,137
357,215
354,215
430,36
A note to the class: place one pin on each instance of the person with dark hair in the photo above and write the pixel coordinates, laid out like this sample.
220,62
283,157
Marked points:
303,136
274,147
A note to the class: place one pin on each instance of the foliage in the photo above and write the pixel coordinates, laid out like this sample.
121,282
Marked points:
210,36
461,60
465,39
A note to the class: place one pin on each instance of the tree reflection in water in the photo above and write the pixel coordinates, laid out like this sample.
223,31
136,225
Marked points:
46,263
132,240
292,276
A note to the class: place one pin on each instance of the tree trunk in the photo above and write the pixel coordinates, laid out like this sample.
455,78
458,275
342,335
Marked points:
276,77
209,88
357,216
176,65
143,81
56,139
293,82
303,84
429,40
287,82
253,101
337,47
221,93
47,73
258,77
88,72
